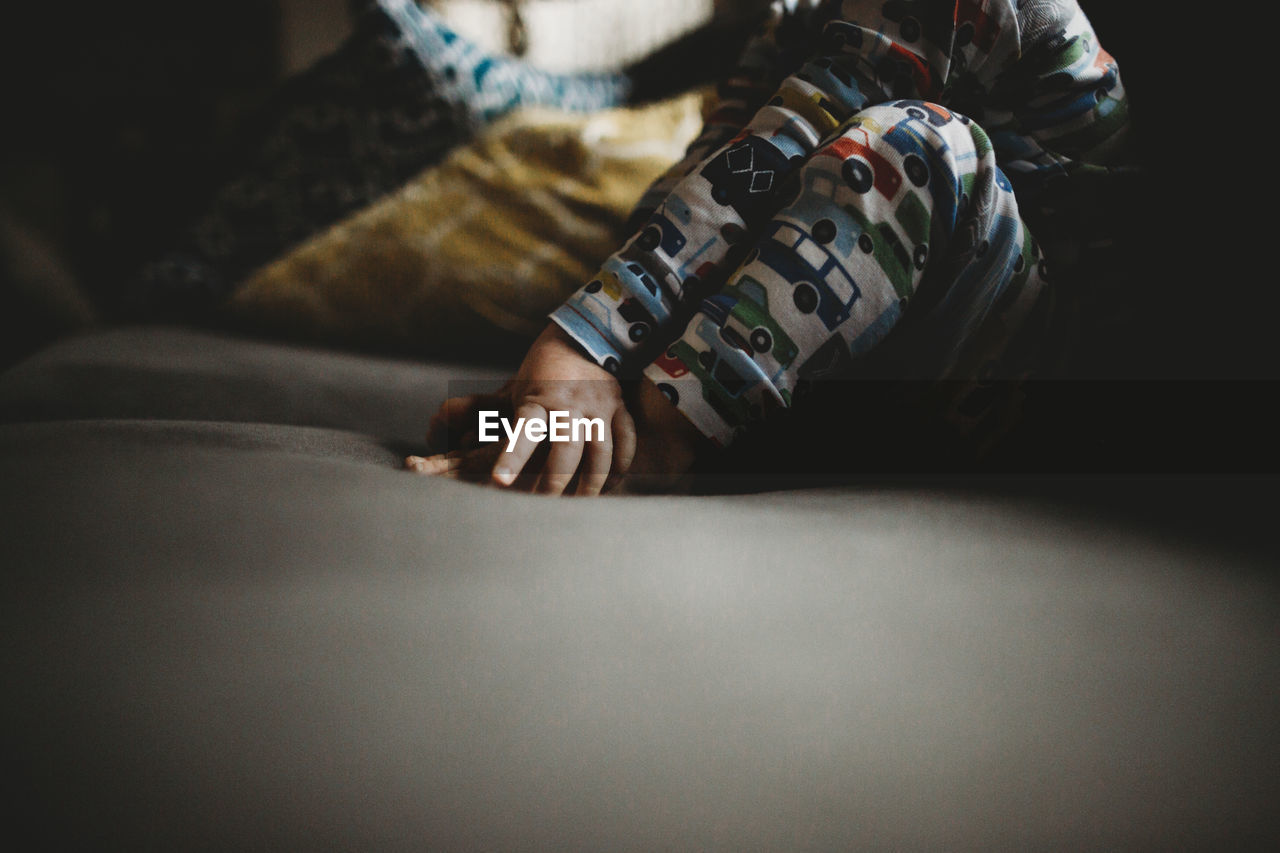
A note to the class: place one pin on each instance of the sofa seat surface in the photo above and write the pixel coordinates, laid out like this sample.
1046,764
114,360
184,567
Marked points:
252,633
242,647
182,374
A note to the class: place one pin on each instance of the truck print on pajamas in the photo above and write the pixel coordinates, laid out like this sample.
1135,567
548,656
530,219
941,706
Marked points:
853,198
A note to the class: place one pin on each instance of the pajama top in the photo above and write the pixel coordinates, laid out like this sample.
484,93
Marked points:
928,110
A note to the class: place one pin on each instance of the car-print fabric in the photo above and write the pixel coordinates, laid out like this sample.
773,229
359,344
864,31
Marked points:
858,190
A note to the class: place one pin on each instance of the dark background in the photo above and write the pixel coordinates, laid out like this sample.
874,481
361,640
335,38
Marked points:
123,117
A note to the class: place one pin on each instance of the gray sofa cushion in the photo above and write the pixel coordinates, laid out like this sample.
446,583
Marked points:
106,438
261,647
233,623
173,373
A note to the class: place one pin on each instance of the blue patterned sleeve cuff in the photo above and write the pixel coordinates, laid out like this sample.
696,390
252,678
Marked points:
615,313
577,325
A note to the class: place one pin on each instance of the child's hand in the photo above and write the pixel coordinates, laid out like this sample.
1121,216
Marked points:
454,425
555,376
667,443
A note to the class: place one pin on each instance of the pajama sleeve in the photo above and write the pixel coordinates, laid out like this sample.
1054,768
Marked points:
703,210
1057,106
1033,66
739,94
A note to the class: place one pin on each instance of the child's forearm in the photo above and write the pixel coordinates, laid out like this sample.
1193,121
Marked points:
716,212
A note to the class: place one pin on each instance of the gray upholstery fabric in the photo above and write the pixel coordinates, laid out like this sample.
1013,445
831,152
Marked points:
103,439
253,647
261,634
172,373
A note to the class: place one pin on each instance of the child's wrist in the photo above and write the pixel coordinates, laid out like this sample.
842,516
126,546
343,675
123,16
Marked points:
654,411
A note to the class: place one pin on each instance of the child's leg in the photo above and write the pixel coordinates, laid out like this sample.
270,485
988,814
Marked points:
400,94
900,237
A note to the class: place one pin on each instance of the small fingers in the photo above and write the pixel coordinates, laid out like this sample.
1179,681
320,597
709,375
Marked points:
624,445
471,464
560,467
597,460
441,463
511,462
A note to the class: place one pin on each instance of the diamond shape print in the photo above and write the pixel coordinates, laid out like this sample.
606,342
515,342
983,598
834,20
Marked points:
740,159
762,182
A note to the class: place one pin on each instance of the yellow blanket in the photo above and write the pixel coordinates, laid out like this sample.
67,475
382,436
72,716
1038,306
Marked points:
467,259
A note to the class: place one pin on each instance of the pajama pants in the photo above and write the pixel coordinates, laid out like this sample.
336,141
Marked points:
896,248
